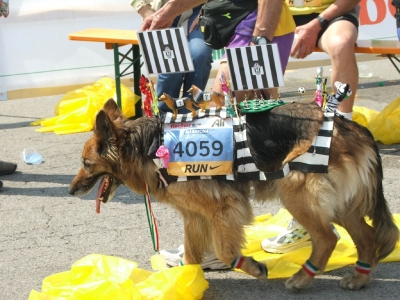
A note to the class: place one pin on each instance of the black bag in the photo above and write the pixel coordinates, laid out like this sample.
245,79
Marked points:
219,18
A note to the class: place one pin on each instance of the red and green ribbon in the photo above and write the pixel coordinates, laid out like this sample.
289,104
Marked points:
151,219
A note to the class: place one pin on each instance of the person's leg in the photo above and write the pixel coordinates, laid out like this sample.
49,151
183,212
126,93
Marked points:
202,59
170,84
338,41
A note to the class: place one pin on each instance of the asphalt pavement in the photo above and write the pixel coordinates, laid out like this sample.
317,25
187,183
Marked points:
44,230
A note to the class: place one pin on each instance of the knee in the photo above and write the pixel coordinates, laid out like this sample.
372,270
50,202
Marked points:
202,59
201,53
339,46
341,49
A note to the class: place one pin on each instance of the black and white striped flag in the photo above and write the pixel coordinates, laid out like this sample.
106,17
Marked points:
165,51
254,67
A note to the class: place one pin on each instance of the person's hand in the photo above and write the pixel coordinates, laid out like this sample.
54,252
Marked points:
306,39
194,24
158,20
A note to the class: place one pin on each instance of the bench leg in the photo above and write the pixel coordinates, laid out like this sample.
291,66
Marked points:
134,62
117,75
391,57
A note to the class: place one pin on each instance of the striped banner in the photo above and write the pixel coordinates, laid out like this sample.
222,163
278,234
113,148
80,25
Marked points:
254,67
165,51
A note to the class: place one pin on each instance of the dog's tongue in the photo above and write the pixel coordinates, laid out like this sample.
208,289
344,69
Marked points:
99,194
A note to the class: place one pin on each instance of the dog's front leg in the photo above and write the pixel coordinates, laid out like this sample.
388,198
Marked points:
229,219
197,238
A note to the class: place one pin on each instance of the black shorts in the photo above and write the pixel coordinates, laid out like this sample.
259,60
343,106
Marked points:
304,19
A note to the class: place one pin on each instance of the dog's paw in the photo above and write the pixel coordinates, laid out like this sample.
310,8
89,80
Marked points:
254,268
299,281
355,281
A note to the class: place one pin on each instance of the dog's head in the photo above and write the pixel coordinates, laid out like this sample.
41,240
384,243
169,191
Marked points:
100,157
190,91
162,97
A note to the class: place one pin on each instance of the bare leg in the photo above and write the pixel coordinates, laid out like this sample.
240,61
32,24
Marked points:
338,41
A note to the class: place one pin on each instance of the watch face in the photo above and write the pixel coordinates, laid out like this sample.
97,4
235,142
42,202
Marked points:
262,41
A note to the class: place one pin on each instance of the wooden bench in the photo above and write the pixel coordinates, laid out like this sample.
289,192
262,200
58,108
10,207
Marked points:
383,48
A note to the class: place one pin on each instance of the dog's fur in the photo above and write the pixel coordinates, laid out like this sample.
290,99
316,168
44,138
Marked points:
217,98
171,103
216,211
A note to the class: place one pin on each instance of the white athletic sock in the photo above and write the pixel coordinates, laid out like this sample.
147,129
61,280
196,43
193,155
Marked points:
348,115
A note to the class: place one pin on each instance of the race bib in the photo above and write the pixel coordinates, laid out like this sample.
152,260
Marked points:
203,147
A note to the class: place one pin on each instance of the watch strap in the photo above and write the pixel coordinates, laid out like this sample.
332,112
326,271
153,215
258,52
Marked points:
324,23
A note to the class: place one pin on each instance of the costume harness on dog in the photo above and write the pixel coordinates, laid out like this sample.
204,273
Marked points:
315,160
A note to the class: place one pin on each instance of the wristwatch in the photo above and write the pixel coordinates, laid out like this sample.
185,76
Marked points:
324,23
260,40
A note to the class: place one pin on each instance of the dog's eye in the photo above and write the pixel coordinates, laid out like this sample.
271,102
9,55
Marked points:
86,164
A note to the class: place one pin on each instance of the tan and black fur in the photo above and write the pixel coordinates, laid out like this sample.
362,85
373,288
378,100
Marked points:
216,211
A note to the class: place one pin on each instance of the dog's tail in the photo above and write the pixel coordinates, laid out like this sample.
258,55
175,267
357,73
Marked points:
386,231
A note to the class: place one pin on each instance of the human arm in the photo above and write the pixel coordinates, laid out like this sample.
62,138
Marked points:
308,33
268,16
142,7
164,17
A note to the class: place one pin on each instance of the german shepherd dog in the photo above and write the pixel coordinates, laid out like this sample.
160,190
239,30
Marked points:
216,211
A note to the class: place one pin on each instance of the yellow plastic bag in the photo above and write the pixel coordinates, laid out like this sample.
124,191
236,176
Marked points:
286,265
363,115
384,126
77,110
103,277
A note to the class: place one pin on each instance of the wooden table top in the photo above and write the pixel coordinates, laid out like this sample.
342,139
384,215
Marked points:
107,36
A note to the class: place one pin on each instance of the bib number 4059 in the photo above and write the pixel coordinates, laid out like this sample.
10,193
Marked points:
202,148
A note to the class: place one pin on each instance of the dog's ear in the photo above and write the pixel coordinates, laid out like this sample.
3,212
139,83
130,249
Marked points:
112,109
104,127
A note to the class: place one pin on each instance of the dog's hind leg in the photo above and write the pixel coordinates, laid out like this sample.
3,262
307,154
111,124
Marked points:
363,237
323,243
305,204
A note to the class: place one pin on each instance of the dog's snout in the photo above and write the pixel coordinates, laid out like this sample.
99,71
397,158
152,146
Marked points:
71,190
